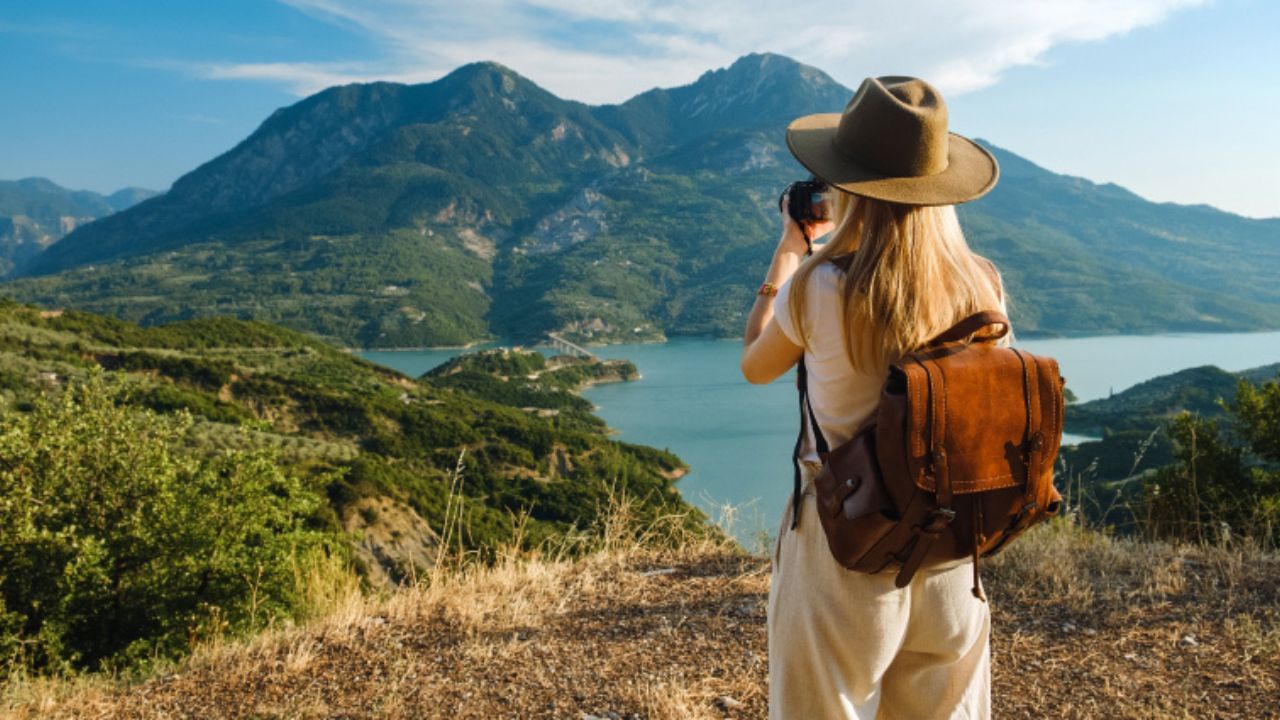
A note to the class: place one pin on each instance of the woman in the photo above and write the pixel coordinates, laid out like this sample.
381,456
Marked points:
895,272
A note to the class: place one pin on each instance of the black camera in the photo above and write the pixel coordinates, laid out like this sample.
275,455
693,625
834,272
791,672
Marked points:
805,202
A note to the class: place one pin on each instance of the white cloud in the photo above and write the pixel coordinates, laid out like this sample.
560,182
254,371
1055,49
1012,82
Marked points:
608,50
301,78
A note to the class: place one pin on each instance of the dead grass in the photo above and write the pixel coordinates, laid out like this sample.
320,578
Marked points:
1094,626
1086,626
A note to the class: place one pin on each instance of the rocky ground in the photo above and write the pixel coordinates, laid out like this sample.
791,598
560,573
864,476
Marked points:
1085,627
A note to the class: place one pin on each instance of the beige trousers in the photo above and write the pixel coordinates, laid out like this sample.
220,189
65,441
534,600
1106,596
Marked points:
845,644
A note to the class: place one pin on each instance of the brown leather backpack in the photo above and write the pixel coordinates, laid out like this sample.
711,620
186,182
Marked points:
958,462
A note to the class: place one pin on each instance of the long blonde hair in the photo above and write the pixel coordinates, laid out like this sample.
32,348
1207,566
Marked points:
908,275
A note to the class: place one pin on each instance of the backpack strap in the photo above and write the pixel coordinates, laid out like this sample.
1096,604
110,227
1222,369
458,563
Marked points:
973,324
1033,440
807,419
943,513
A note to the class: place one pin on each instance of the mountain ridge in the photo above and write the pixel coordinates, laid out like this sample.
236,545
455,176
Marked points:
481,205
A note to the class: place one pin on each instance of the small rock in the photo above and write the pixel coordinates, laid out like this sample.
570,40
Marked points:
724,702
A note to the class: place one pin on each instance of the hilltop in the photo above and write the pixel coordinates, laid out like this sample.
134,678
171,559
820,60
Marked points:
1152,402
481,205
1132,423
1084,626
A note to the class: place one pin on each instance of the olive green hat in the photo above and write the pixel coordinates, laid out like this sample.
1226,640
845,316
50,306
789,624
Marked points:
891,143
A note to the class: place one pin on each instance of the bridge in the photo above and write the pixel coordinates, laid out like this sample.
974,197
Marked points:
567,348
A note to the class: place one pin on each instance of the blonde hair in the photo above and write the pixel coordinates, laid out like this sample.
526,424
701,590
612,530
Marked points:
908,275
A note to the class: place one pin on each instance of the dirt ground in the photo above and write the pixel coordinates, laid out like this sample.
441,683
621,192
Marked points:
1084,627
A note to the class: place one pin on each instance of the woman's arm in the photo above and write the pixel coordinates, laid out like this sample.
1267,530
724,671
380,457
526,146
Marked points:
766,352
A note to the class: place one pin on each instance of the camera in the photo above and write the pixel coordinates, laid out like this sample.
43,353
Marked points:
805,203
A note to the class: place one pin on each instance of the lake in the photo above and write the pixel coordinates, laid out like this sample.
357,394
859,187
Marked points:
737,437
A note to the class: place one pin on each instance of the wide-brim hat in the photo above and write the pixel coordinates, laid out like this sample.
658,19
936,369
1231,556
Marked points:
892,143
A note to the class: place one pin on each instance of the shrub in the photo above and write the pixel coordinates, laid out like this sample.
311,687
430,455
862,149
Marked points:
1226,481
117,546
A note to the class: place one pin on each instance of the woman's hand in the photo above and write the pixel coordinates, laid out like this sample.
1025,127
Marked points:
766,351
792,240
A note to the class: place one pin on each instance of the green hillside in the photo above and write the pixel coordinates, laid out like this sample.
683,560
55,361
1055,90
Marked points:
1135,429
1151,402
525,441
168,486
1082,258
480,205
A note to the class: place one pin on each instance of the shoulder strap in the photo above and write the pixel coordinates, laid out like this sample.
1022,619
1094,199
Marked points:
823,448
973,324
807,419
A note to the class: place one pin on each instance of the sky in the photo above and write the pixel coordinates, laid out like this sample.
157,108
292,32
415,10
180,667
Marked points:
1177,100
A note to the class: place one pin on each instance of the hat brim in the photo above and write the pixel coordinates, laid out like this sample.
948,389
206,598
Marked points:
971,170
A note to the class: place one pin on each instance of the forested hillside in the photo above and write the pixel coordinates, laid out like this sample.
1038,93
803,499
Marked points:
480,205
1181,455
152,477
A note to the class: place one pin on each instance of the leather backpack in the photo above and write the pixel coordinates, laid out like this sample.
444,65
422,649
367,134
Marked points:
958,460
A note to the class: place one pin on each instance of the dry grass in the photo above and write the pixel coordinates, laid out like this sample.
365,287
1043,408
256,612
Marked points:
1085,626
1094,626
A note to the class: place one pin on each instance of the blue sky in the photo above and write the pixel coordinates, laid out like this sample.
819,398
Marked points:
1177,100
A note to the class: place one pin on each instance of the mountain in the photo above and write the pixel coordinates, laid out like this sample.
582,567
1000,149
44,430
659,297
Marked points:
481,205
1083,258
126,198
35,213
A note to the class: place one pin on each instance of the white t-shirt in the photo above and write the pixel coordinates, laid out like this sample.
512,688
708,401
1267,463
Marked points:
843,398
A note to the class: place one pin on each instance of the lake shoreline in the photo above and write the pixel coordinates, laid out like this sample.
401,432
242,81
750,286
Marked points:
736,439
1031,335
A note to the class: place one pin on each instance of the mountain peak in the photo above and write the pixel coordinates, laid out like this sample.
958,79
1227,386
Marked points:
761,62
488,76
484,68
40,184
758,91
757,67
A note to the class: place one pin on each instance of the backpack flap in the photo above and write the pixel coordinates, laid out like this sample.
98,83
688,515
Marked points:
980,414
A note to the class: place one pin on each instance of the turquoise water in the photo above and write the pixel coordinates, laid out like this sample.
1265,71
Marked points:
737,437
415,362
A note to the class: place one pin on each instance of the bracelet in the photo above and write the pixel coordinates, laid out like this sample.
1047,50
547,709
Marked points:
768,289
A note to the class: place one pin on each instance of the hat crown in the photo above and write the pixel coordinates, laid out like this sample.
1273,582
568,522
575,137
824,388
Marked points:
895,126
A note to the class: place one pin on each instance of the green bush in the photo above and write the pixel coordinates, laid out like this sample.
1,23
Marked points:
116,546
1226,481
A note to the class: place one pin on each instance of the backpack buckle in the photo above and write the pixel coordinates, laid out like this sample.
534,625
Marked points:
947,514
937,520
